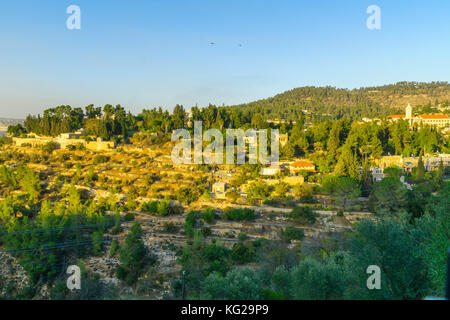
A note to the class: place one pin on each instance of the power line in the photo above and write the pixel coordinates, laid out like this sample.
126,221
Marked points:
86,226
68,244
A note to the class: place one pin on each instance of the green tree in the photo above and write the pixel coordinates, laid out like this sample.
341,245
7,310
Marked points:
281,189
30,183
389,196
437,222
97,241
346,192
133,256
303,190
303,215
49,147
420,174
292,233
312,280
238,284
366,178
347,164
396,247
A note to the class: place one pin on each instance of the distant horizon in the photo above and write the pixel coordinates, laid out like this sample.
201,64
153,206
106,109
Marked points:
187,108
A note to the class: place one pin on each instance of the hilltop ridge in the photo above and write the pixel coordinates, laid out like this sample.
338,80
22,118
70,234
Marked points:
362,102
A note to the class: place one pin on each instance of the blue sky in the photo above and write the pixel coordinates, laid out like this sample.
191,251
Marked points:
144,53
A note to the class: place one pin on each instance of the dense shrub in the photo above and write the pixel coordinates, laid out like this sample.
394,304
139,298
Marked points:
238,284
188,195
98,159
239,214
232,195
170,227
242,237
5,140
303,215
209,216
206,231
134,256
190,222
292,233
50,146
243,252
162,208
151,207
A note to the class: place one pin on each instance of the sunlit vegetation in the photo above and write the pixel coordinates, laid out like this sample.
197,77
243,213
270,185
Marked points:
118,207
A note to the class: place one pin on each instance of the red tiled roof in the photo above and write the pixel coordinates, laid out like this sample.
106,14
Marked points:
433,116
422,116
302,164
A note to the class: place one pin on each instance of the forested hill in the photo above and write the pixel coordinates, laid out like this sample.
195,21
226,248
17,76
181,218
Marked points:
319,102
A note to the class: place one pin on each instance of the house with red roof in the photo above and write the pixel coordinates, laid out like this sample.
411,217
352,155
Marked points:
438,120
302,165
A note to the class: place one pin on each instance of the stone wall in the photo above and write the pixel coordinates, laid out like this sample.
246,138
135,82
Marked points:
63,143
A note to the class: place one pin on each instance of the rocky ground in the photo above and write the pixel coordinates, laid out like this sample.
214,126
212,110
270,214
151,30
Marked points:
268,223
13,277
133,166
164,244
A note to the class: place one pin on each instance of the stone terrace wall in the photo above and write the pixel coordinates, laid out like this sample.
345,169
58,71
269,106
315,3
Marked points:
98,145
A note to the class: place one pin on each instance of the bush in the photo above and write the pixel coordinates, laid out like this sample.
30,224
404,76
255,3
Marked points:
5,140
114,249
239,214
242,252
97,239
163,207
208,216
187,195
232,196
258,190
190,222
308,199
134,256
178,176
121,273
303,215
303,190
272,295
170,227
98,159
206,231
151,207
271,202
131,205
292,233
188,230
50,146
129,216
239,284
242,237
74,147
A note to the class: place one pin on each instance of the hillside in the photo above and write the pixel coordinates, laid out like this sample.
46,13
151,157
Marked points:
321,102
5,123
